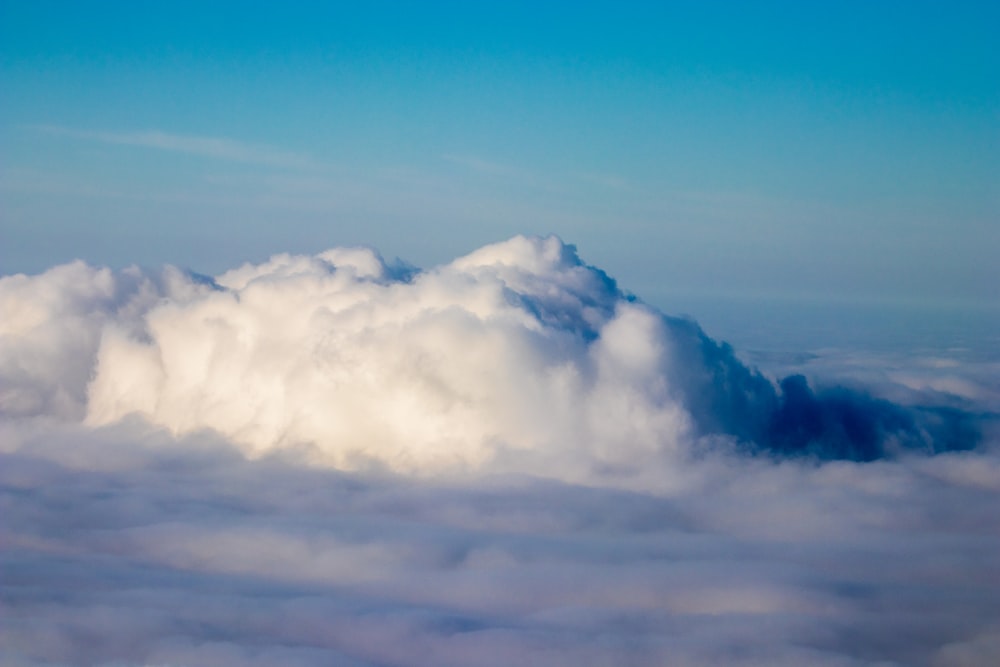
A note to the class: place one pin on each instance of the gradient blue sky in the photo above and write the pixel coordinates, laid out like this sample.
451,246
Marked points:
840,150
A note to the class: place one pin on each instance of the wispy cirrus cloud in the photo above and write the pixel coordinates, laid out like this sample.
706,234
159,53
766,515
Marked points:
219,148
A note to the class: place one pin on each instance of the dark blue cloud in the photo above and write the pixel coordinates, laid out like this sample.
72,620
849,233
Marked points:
728,397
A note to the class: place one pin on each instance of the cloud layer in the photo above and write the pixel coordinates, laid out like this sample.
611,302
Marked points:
503,460
128,547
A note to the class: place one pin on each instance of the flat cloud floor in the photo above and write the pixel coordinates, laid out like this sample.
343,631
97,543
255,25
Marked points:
186,553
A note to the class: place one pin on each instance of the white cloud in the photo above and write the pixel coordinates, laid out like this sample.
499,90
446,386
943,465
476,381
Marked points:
54,323
516,357
517,349
600,502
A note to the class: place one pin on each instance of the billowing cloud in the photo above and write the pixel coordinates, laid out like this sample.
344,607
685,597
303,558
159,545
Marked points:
503,460
517,357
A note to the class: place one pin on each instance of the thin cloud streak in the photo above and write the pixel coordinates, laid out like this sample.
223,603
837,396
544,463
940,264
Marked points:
218,148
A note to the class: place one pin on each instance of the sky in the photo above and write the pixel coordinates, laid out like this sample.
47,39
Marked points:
769,149
448,334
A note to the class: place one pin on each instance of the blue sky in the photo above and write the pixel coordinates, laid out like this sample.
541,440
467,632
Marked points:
822,150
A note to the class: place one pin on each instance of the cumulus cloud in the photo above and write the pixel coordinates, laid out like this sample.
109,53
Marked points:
53,324
517,357
335,459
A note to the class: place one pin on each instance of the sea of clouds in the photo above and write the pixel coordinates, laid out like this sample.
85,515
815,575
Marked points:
333,459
